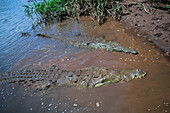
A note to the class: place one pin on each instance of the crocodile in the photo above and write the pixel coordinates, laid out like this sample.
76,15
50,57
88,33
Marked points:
90,77
84,41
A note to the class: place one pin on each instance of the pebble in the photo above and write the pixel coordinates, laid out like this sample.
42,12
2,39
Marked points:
166,104
139,35
97,104
50,105
31,109
159,106
74,105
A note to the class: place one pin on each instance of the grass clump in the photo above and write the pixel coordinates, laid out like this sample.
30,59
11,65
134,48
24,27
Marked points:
50,10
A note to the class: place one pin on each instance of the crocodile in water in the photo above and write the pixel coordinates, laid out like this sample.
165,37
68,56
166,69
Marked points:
82,78
91,43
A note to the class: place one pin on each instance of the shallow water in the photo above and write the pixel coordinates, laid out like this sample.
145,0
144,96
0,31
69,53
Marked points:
17,52
149,94
12,23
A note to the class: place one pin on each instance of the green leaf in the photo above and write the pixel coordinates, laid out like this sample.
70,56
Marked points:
168,6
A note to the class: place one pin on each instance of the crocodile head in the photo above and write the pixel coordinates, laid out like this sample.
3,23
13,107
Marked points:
123,75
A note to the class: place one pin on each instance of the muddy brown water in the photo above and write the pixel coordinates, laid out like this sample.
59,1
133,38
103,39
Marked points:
149,94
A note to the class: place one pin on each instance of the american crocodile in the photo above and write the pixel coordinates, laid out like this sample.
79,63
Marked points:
90,43
82,78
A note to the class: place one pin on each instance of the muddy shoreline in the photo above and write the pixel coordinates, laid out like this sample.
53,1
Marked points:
154,26
149,94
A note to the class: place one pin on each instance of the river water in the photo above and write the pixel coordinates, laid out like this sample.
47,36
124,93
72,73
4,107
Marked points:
150,94
17,52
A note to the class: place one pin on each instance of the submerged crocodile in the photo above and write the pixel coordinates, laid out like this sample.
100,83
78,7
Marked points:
83,78
91,43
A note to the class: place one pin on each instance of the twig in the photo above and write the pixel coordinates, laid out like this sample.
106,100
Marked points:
146,10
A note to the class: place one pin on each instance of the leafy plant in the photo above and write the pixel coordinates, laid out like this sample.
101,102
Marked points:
168,8
51,10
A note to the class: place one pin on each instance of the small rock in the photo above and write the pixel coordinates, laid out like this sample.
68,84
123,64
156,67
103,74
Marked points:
145,43
50,104
74,105
138,35
97,104
159,106
139,25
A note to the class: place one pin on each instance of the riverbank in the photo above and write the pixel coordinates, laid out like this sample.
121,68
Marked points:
147,95
153,24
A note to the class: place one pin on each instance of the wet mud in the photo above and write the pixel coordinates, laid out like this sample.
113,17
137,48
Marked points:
153,22
150,94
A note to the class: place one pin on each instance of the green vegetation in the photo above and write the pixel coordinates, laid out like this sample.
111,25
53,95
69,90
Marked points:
168,8
51,10
161,1
161,4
